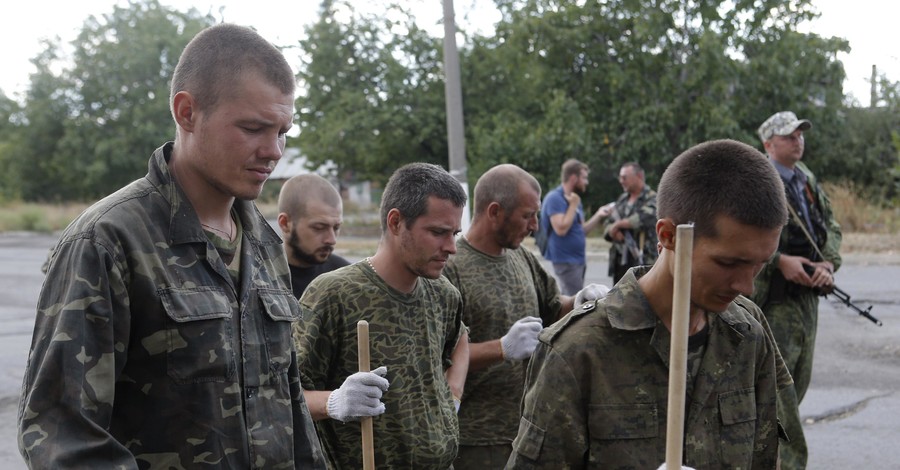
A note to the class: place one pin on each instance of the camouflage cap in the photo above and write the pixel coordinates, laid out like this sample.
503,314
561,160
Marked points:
782,123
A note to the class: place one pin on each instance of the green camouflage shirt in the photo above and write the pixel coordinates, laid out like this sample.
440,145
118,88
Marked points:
597,391
497,291
147,355
642,215
413,335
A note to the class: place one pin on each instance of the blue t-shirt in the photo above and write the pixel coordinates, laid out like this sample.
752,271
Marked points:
570,248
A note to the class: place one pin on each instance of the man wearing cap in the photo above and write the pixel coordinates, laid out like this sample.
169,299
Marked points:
787,289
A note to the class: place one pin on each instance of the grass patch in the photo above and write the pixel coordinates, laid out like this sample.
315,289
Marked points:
867,226
857,215
32,217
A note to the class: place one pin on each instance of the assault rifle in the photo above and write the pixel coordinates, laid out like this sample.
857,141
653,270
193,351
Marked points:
630,249
843,297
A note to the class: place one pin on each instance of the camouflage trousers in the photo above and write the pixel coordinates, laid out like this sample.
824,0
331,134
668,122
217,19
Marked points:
794,322
482,457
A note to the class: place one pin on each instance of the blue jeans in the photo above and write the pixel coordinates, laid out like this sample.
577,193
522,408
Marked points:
570,277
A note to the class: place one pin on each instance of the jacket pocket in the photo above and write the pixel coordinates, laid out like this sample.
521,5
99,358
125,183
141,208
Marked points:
623,432
623,421
737,411
282,310
529,440
199,334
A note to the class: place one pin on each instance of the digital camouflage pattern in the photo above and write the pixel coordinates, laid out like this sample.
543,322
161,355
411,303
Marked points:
597,391
793,313
497,291
642,215
413,335
146,355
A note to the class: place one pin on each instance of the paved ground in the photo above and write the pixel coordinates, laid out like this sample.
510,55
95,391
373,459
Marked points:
851,409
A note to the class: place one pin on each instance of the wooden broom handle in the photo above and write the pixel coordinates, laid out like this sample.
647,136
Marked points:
681,312
365,424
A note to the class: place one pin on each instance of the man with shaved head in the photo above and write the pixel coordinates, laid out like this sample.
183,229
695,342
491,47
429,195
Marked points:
310,215
508,297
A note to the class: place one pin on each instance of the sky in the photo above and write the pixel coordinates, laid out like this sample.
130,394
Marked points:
869,25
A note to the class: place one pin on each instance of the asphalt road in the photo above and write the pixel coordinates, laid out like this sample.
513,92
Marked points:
851,410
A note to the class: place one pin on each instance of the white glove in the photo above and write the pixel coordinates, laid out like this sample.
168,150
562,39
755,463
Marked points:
663,467
519,342
358,396
591,292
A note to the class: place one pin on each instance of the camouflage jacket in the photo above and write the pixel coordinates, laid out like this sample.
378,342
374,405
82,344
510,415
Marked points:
642,215
497,291
597,391
146,355
829,242
413,335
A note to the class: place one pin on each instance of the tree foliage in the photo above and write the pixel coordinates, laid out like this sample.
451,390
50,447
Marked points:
605,82
90,129
372,92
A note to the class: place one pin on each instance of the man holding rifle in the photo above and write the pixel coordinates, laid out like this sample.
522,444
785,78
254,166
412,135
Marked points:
631,223
597,385
787,294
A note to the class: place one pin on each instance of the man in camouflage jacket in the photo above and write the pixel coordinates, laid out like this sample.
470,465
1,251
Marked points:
787,294
597,385
631,223
159,344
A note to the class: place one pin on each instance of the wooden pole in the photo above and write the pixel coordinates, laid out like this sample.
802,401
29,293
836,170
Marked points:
681,313
365,424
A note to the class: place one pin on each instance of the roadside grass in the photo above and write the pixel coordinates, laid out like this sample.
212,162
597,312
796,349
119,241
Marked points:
34,217
867,227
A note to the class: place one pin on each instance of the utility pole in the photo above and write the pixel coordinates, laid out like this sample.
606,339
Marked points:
456,138
873,93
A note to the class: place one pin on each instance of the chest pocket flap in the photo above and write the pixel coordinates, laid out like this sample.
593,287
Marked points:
623,421
280,305
737,406
200,303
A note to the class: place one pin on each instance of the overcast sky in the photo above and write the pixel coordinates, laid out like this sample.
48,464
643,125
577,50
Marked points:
869,25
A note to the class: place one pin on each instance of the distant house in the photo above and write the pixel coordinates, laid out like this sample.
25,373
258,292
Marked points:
294,163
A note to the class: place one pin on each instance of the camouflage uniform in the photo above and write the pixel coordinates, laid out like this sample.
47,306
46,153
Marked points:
146,354
497,291
792,309
413,335
597,390
642,215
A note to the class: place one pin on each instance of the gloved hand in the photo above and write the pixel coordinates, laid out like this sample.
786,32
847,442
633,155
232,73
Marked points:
591,292
663,467
358,396
519,342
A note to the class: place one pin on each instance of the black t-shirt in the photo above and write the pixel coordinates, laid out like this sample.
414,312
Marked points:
301,277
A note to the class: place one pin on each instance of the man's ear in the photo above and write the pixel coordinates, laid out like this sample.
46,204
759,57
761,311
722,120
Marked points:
494,211
665,231
284,222
394,219
184,111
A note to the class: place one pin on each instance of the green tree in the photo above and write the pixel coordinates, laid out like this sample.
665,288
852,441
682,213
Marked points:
9,178
123,63
41,127
372,95
639,80
90,129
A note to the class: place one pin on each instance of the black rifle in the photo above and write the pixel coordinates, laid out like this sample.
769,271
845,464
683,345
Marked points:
631,249
843,297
